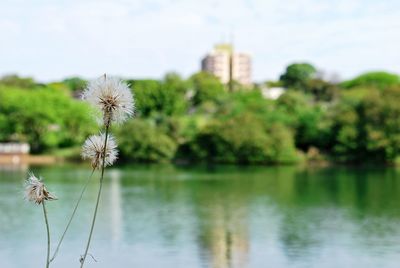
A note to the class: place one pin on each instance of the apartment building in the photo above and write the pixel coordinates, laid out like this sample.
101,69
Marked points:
227,64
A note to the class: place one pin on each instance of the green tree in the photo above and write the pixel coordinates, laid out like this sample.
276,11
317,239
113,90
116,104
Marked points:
174,82
43,118
322,90
16,81
366,126
379,80
242,139
166,96
206,87
75,83
297,75
146,96
142,141
306,118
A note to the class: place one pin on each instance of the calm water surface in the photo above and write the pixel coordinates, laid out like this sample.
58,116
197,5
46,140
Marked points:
163,216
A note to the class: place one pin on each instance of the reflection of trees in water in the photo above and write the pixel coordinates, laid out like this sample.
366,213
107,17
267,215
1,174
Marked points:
223,203
315,208
156,205
322,205
115,206
222,213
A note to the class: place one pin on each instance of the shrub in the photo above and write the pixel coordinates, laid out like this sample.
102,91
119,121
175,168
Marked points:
167,96
306,118
366,128
140,140
206,87
243,139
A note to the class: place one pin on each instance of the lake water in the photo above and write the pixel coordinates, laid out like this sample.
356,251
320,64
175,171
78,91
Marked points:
165,216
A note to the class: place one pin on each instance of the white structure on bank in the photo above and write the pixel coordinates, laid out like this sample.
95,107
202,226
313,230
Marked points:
272,92
14,148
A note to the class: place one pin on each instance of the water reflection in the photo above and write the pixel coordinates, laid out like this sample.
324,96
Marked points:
223,227
224,218
115,210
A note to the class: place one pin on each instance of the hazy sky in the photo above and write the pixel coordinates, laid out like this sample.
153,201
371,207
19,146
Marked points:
51,39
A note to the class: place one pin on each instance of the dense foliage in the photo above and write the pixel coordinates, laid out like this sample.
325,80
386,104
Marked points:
366,126
142,141
166,96
198,120
241,139
297,75
44,117
379,80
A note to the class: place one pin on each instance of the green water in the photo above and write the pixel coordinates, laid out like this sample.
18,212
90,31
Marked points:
164,216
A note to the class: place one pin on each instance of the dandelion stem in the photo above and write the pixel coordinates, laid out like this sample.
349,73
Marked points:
82,260
72,215
48,235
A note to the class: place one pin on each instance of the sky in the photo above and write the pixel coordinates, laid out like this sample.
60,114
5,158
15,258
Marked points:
50,40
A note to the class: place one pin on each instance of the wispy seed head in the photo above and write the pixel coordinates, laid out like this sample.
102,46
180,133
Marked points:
112,96
35,190
93,149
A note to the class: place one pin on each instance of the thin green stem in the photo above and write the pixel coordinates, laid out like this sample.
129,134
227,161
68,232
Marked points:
48,235
72,215
82,260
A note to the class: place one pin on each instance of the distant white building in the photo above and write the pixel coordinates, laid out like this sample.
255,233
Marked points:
227,65
14,148
272,93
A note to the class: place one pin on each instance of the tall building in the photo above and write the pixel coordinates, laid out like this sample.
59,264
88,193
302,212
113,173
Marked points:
228,65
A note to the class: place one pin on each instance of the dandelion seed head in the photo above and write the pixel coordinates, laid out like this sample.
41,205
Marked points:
112,96
93,149
35,190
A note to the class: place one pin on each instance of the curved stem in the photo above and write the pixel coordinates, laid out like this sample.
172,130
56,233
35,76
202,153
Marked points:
82,260
72,216
48,235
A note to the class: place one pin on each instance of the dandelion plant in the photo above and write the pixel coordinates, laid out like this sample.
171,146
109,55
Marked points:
36,192
114,102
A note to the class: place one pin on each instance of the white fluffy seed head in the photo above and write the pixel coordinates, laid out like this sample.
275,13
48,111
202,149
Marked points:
93,149
35,190
112,97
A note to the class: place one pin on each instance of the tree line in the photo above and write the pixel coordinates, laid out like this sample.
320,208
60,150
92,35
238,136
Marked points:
198,120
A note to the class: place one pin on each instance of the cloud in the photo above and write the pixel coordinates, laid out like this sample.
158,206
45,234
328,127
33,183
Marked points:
51,40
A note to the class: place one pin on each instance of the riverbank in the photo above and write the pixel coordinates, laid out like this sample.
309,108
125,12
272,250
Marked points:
27,159
312,158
